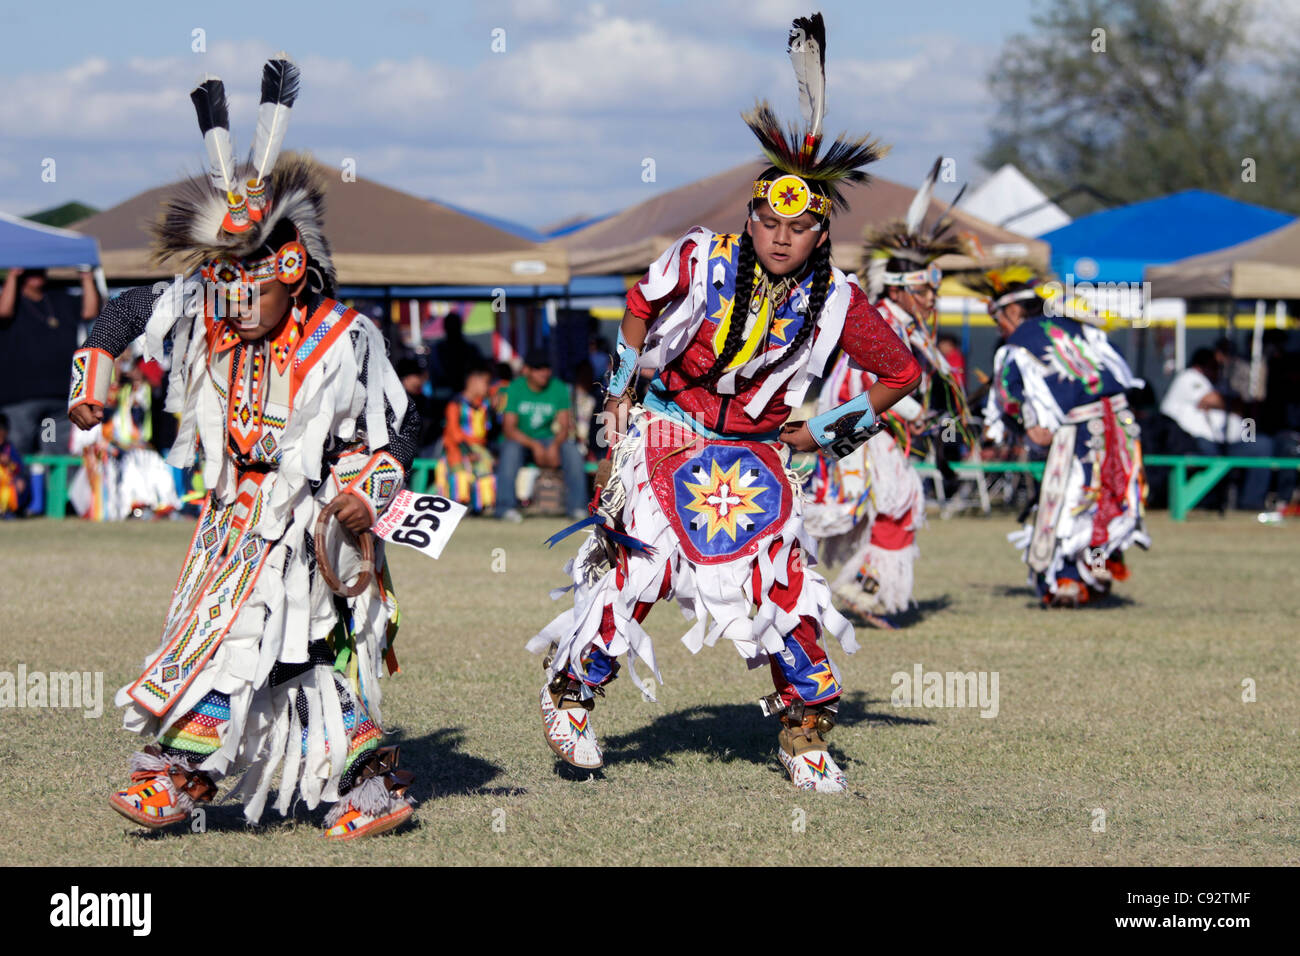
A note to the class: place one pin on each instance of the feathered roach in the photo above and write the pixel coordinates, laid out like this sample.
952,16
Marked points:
189,228
794,149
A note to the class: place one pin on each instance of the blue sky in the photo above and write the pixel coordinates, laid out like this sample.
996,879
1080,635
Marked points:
558,124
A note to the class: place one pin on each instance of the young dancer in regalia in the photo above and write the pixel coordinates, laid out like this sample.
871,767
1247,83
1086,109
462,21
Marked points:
698,503
1058,380
866,508
290,406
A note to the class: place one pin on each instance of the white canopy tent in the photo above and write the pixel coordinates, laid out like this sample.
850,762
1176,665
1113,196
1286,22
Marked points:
1008,199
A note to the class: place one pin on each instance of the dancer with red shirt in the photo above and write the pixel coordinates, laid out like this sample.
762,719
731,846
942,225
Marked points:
698,503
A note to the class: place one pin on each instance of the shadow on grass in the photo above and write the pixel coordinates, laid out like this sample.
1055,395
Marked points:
904,619
441,768
731,732
1109,602
919,611
856,708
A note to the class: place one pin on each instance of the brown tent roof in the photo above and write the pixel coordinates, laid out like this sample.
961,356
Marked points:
379,236
629,241
1266,267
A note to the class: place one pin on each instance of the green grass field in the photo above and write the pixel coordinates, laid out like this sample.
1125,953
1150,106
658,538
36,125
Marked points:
1134,708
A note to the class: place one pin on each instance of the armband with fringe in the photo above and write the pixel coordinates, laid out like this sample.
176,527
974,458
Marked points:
623,370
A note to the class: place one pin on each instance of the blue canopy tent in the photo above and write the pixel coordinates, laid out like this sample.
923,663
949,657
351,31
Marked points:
30,245
1117,245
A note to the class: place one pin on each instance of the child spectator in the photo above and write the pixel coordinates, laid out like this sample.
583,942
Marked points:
465,473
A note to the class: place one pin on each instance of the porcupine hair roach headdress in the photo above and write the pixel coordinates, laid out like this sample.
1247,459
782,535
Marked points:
799,179
902,252
231,215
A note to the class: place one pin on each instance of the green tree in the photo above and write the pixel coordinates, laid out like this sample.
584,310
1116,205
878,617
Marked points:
1139,98
64,215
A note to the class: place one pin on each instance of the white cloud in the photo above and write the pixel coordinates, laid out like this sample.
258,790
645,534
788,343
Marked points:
556,125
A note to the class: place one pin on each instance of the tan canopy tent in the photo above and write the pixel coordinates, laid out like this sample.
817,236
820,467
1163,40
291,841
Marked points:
629,241
379,236
1266,267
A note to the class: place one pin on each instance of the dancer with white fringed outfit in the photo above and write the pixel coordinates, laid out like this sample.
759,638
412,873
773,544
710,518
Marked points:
866,508
696,501
268,663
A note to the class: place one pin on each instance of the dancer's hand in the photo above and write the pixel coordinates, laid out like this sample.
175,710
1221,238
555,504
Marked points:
1039,435
353,513
86,416
614,418
798,436
619,407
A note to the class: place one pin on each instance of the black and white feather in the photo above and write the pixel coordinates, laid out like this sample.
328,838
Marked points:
807,49
209,99
921,201
796,148
189,229
279,92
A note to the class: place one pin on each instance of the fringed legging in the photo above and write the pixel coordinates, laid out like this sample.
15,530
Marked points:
801,671
196,734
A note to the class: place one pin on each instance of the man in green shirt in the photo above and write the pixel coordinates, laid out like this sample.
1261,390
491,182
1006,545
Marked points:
539,425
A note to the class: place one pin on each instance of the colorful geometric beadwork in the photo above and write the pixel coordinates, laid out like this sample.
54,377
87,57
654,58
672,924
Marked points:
92,370
198,731
378,481
220,596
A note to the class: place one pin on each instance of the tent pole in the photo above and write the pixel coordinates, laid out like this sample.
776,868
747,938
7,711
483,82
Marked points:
1257,350
1141,355
965,327
1180,340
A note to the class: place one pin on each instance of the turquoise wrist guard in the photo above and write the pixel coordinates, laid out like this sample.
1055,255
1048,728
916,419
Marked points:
623,368
845,427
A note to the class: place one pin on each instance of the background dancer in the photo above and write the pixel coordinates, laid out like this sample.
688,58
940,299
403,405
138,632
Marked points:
867,507
1062,382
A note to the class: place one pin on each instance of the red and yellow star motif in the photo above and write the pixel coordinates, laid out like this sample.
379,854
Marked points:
789,196
824,678
778,327
722,501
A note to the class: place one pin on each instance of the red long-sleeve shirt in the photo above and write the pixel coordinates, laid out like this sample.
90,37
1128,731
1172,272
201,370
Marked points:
867,338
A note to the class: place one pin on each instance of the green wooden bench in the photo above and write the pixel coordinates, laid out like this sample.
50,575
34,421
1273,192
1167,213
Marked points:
56,481
1185,489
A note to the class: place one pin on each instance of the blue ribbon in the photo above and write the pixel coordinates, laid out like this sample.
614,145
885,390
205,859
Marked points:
631,544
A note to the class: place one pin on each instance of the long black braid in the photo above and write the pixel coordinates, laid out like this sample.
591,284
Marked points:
745,260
